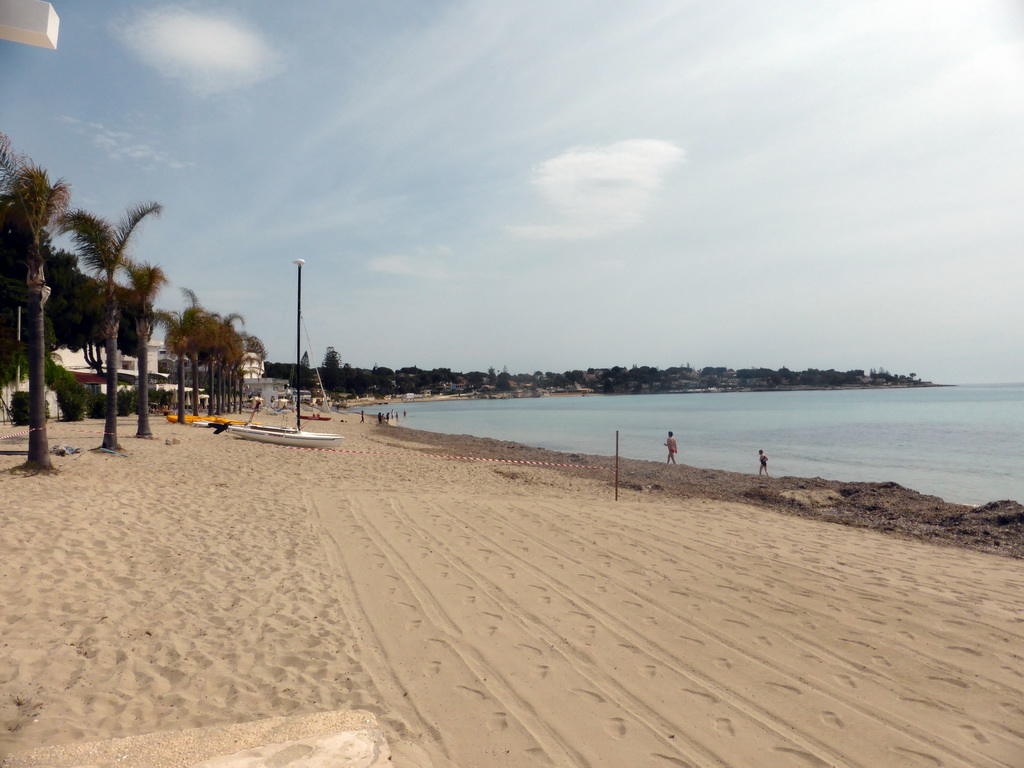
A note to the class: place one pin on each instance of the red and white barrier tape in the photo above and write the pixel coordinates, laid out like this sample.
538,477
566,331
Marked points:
445,456
380,453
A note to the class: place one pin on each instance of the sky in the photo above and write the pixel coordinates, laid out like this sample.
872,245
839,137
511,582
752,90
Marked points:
539,185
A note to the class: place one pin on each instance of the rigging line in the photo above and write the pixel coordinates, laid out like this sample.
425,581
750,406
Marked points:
316,368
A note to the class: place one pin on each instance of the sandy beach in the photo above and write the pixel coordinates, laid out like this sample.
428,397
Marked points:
489,613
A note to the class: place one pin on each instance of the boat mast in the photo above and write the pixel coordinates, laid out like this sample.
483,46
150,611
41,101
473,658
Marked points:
298,347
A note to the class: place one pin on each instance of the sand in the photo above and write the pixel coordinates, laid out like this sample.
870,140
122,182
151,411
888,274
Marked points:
489,614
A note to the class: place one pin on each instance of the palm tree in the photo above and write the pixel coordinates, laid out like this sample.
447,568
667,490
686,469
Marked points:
233,354
225,343
103,248
31,204
183,329
144,283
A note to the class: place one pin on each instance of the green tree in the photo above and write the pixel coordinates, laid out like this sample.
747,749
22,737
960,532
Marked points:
331,373
144,283
30,203
104,249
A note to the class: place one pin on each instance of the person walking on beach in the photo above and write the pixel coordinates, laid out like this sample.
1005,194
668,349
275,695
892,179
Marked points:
763,459
673,447
257,403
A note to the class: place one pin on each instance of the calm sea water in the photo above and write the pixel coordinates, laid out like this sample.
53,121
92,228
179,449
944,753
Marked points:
962,443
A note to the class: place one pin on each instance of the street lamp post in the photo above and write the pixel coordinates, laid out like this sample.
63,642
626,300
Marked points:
298,347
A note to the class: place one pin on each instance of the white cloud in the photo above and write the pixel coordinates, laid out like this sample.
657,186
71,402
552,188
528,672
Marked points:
423,265
210,53
123,145
597,191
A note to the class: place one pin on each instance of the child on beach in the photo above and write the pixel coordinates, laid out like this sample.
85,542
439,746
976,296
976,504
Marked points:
763,458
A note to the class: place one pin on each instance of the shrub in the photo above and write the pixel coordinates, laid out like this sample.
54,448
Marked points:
98,407
73,400
127,401
19,408
160,398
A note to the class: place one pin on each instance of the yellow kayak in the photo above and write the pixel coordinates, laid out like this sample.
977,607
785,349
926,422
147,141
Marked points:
173,418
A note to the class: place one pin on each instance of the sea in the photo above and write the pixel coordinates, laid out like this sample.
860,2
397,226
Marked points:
962,443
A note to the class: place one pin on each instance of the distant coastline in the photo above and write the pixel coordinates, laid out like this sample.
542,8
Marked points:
514,395
379,382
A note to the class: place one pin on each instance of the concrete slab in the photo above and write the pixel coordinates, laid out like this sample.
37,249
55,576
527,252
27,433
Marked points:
350,739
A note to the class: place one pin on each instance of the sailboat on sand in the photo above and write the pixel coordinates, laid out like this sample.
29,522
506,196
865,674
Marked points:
290,436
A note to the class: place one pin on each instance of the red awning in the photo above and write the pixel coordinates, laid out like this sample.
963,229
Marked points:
85,377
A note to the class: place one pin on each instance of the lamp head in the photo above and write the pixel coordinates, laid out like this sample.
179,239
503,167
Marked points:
300,262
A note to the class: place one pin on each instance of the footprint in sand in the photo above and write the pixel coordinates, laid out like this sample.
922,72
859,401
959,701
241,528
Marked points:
616,728
832,719
920,758
434,667
702,695
672,760
949,681
974,733
724,725
787,688
723,663
963,649
498,722
806,758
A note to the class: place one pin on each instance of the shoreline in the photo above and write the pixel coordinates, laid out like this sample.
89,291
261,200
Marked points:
885,507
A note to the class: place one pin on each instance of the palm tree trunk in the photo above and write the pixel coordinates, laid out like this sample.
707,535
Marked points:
210,392
181,390
194,360
38,444
221,399
143,355
110,427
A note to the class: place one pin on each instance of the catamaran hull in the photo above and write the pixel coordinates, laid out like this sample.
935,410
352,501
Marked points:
288,437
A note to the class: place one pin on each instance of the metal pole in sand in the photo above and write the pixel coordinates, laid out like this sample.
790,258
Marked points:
616,465
298,347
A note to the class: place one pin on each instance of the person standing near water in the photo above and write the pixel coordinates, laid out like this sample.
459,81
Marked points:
763,459
673,447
